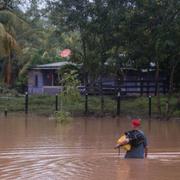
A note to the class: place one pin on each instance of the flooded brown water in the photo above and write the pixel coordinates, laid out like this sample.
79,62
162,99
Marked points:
38,148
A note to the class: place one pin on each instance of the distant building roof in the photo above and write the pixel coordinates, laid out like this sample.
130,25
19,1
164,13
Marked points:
56,65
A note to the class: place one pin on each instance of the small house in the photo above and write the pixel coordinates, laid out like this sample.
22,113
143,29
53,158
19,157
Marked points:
43,79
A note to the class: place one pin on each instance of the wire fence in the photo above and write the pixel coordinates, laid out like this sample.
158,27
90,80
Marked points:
91,104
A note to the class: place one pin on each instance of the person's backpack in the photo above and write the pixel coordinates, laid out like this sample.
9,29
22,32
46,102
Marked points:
135,137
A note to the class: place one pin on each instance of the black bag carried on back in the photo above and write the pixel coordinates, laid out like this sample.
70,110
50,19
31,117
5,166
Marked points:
135,137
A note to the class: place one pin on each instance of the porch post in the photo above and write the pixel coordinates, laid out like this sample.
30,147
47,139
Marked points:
26,102
52,79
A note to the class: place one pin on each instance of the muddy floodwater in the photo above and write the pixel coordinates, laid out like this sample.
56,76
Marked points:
37,148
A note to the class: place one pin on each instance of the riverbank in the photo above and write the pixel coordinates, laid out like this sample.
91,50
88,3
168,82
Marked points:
46,105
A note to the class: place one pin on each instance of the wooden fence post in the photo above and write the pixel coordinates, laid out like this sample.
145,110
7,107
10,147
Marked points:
86,102
118,103
149,102
56,102
26,102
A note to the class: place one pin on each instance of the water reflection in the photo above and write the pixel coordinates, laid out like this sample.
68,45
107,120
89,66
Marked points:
37,148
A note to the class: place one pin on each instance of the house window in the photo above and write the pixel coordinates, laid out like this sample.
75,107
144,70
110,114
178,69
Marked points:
36,80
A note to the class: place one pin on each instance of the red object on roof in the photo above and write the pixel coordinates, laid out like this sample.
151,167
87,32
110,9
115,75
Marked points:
65,53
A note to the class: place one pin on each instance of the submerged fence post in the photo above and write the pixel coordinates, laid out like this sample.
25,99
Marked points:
5,112
26,102
56,103
118,103
149,98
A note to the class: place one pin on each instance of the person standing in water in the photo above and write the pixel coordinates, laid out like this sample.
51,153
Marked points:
137,141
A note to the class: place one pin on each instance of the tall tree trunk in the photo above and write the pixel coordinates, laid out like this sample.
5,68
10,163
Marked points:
8,72
85,72
169,110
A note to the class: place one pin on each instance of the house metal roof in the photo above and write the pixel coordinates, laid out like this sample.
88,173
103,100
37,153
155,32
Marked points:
56,65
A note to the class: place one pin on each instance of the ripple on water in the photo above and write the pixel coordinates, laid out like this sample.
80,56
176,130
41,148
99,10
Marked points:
62,163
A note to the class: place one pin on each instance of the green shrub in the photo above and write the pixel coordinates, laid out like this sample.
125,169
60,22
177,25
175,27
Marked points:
62,117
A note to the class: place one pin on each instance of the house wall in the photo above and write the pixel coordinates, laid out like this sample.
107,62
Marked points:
44,82
35,82
39,83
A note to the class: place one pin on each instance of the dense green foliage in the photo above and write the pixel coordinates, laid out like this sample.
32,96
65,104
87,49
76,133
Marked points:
70,92
69,95
144,31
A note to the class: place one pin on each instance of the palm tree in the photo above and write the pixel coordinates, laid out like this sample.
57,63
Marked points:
8,47
10,26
